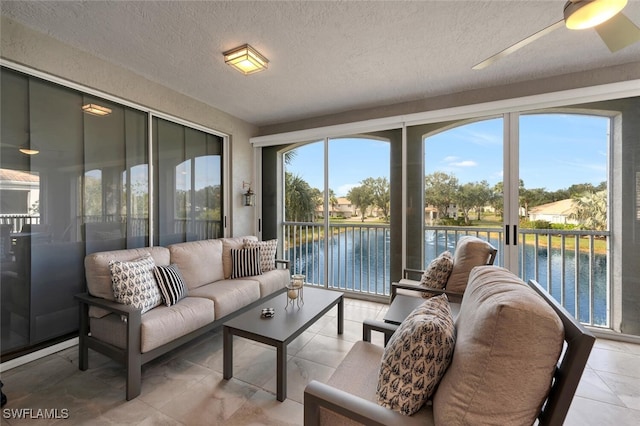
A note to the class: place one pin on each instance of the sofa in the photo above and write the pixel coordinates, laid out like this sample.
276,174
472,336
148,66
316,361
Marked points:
213,290
517,358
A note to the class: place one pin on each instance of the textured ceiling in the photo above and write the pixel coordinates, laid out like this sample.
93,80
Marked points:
326,57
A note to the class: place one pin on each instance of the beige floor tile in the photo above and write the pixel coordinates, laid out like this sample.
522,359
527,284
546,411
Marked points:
325,350
263,409
615,362
299,373
626,388
185,386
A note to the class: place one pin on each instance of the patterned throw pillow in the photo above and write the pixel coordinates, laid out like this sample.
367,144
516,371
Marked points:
246,262
437,273
171,283
267,253
133,283
417,357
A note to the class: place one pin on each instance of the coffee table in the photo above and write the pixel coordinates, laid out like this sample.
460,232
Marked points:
281,329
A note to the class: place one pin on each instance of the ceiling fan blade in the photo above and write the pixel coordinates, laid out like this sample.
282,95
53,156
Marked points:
618,32
509,50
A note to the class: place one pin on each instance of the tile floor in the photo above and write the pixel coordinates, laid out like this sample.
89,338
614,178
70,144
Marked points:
186,385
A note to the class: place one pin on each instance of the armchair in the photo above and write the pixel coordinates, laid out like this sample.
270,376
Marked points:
406,294
349,397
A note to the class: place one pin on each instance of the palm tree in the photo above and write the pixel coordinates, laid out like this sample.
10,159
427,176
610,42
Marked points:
300,199
591,210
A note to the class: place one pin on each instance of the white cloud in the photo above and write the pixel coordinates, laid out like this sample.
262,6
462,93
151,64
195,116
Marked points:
464,163
450,159
343,190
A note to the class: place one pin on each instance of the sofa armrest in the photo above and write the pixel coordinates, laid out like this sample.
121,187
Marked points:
369,325
319,395
284,263
415,286
407,273
113,307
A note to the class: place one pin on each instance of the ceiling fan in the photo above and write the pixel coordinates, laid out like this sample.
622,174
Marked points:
614,28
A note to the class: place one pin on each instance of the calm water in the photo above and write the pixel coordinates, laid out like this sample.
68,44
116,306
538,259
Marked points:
359,260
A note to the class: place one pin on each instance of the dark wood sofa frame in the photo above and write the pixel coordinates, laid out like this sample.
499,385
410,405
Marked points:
578,344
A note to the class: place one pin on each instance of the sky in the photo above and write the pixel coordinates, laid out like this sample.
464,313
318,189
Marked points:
556,151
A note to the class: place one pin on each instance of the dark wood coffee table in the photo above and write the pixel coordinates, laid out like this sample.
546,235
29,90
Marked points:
282,329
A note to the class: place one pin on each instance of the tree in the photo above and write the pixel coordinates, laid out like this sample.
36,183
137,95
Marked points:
289,156
300,199
497,199
440,191
361,197
474,195
380,193
532,197
591,210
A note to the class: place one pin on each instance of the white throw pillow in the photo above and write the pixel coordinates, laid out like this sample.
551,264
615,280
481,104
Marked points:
134,284
267,253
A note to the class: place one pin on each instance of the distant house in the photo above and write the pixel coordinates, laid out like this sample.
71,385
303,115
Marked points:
556,212
19,192
343,208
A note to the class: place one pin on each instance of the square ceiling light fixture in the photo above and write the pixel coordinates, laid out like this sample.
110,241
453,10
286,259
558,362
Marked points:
95,109
246,59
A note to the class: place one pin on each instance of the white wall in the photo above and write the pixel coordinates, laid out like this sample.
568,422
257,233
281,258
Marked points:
24,46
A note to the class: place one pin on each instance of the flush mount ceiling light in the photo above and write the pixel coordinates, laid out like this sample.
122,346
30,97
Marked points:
583,14
95,109
246,59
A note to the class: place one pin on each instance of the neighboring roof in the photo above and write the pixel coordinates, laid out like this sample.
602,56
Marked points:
18,176
557,208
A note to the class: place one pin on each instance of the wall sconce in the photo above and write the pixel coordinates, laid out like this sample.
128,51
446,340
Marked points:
246,59
249,197
95,109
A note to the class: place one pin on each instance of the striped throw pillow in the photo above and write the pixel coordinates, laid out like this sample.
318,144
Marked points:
246,262
171,283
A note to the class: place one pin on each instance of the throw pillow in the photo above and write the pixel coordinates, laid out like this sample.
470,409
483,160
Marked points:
267,253
171,283
437,273
417,357
246,262
133,283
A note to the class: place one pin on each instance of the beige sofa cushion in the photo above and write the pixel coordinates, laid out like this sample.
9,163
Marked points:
199,261
160,325
357,374
508,343
98,274
469,253
272,281
229,295
228,244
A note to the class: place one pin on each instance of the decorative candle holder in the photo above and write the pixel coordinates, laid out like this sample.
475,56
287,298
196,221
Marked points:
295,291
